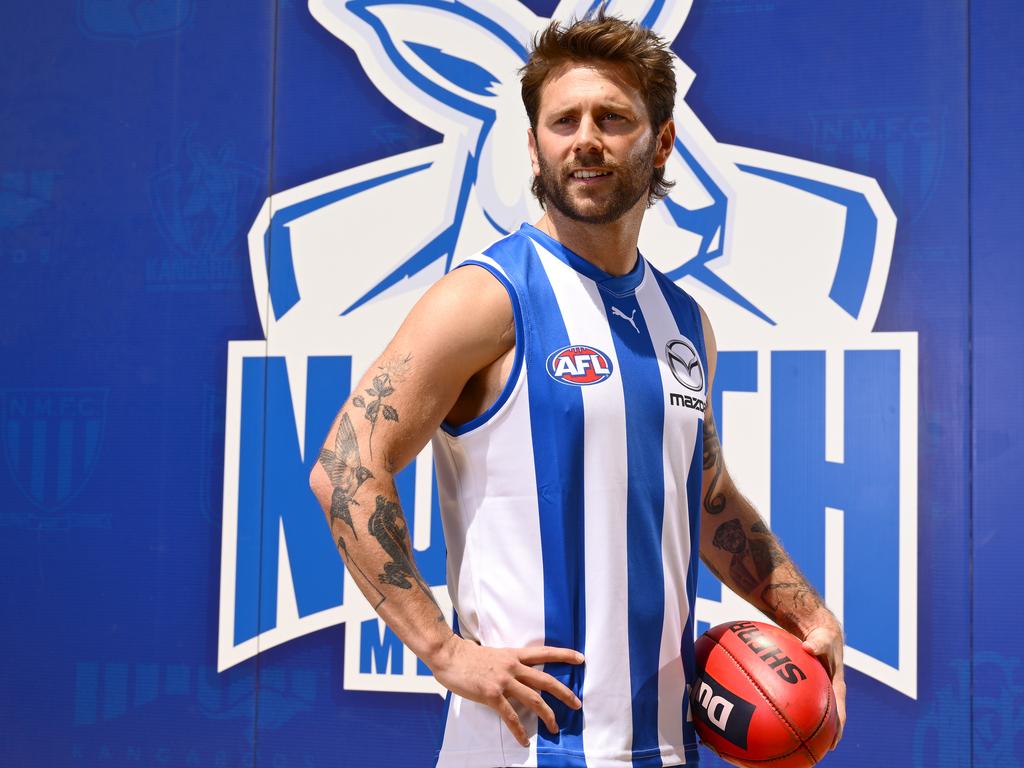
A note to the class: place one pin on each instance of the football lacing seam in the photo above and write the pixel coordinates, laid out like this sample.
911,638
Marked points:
775,709
821,724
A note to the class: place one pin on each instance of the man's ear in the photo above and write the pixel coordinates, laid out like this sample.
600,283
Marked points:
531,142
665,141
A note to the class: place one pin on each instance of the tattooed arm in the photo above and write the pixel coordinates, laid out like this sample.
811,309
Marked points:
449,347
745,555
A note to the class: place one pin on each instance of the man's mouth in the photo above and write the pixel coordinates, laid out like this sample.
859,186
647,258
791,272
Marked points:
589,174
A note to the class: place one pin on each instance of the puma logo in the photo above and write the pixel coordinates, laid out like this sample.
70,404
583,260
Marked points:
619,313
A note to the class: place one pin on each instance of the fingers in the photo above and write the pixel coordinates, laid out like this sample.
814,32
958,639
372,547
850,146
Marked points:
511,719
813,647
533,700
824,656
828,648
524,684
546,654
817,643
839,686
542,681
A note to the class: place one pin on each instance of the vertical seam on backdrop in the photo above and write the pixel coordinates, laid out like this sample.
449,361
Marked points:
272,155
971,436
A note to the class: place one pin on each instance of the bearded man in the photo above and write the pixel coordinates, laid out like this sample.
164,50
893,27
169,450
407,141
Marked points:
566,385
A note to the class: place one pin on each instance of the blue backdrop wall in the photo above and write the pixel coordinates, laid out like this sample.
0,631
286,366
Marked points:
140,143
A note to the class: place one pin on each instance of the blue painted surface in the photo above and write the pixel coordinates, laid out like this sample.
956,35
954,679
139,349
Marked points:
270,470
997,282
113,119
864,486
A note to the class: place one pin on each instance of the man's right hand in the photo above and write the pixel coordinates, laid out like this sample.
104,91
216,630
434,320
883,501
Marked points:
498,676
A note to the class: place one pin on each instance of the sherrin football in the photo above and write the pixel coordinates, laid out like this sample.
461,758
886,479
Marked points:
759,699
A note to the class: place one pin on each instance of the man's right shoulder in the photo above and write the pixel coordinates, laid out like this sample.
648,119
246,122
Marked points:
472,289
467,312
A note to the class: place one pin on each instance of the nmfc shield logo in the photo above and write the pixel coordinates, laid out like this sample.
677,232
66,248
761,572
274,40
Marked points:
51,440
132,18
902,147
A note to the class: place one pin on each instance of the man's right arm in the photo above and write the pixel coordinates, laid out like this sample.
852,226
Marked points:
460,326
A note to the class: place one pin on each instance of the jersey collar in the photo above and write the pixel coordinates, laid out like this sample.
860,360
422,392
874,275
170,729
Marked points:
617,284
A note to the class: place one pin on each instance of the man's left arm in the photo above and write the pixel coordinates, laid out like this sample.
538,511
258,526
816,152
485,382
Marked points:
739,548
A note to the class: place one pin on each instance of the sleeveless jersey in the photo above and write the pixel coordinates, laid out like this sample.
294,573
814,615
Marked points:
571,510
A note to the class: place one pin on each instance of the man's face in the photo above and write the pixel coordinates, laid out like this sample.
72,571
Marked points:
594,152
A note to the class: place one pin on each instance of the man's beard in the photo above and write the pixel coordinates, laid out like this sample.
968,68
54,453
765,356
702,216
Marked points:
631,180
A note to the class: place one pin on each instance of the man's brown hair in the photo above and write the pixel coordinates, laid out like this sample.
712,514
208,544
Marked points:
644,55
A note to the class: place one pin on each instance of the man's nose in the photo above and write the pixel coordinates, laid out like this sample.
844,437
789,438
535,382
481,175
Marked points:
588,137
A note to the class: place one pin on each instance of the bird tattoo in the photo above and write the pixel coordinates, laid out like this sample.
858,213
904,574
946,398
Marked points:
345,469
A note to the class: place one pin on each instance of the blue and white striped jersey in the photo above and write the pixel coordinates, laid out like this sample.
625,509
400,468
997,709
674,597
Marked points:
571,510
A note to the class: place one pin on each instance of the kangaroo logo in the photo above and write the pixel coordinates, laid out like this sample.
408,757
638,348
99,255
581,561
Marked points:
196,202
789,258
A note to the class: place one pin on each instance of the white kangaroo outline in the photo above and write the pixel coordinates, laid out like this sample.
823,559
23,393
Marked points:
691,235
761,225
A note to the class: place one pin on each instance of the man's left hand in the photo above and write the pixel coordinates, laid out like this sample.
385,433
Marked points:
825,641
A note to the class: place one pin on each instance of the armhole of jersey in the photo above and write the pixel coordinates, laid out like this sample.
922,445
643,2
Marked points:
703,342
698,323
517,359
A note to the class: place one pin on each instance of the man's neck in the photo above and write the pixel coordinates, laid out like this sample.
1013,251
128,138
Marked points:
609,247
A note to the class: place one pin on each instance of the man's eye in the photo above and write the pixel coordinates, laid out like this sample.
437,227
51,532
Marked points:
612,116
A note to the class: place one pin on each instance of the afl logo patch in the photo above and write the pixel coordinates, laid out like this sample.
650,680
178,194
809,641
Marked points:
684,362
579,365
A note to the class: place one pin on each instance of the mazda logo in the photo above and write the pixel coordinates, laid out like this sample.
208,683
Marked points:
685,364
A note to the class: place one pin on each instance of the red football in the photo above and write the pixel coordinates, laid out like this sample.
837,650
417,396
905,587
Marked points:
759,696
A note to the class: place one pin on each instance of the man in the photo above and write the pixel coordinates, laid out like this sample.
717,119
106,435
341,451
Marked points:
566,385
